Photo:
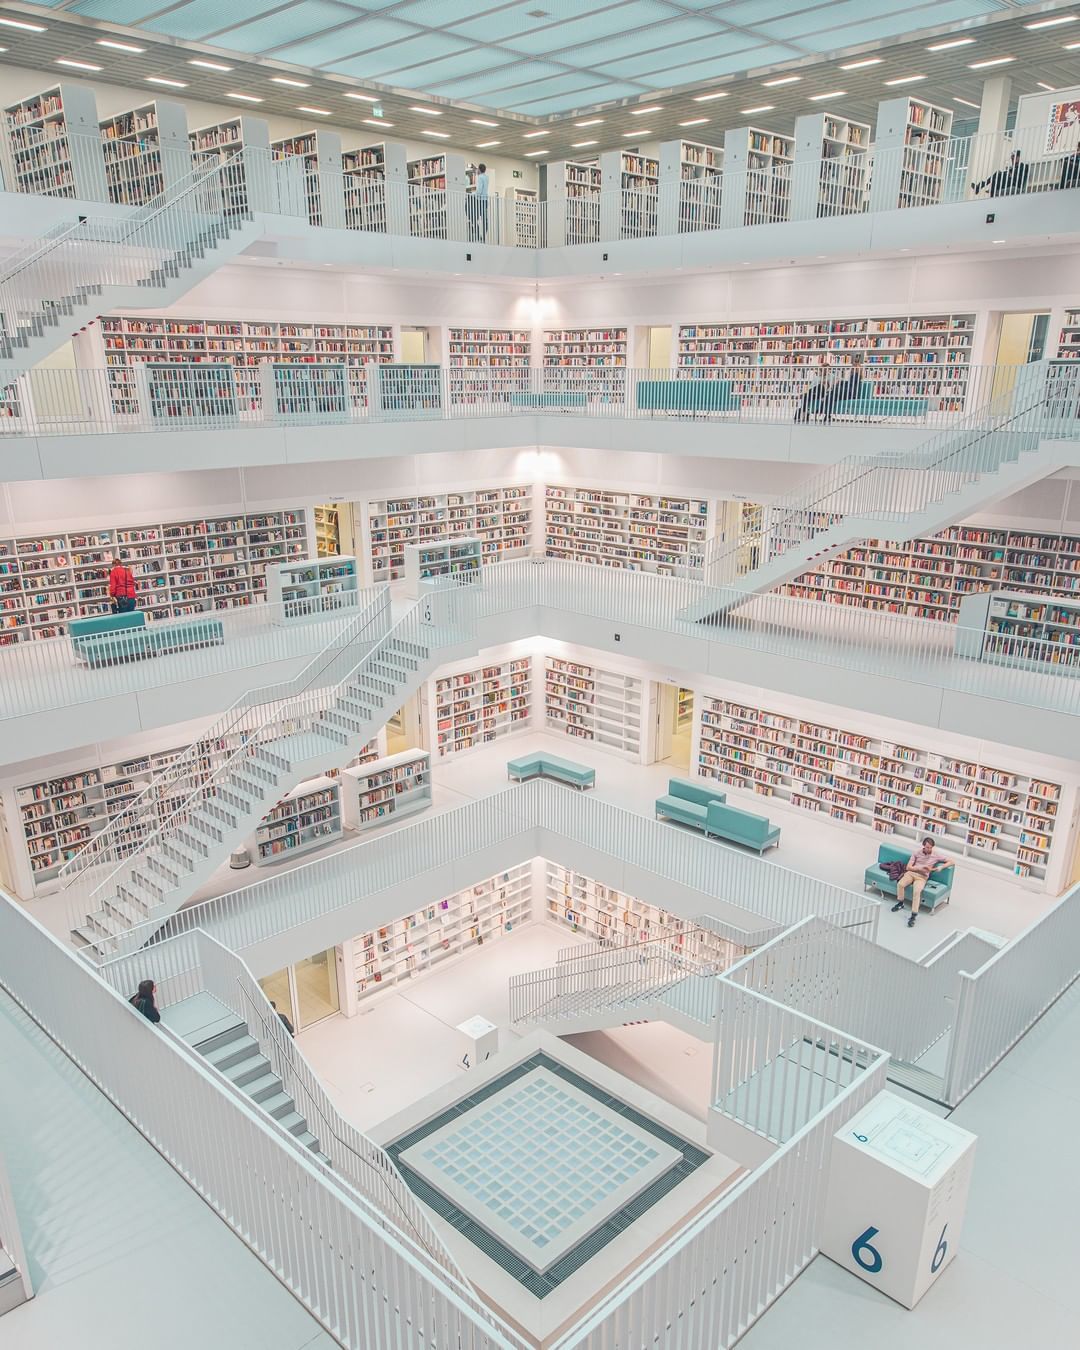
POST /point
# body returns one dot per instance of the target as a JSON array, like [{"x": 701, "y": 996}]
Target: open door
[{"x": 674, "y": 725}]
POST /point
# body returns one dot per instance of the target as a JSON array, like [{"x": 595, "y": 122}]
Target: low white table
[{"x": 483, "y": 1037}]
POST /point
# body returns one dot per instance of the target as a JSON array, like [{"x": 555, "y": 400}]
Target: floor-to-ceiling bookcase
[
  {"x": 594, "y": 704},
  {"x": 481, "y": 704},
  {"x": 487, "y": 365},
  {"x": 638, "y": 531},
  {"x": 994, "y": 814},
  {"x": 500, "y": 517},
  {"x": 589, "y": 361}
]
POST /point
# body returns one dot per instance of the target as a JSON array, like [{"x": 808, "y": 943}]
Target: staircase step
[
  {"x": 280, "y": 1104},
  {"x": 308, "y": 1140},
  {"x": 234, "y": 1053},
  {"x": 221, "y": 1038},
  {"x": 294, "y": 1122},
  {"x": 263, "y": 1086}
]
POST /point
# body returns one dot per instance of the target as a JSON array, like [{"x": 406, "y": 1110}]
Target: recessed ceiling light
[
  {"x": 26, "y": 27},
  {"x": 316, "y": 112},
  {"x": 120, "y": 46},
  {"x": 442, "y": 135},
  {"x": 76, "y": 65},
  {"x": 375, "y": 122},
  {"x": 785, "y": 79},
  {"x": 866, "y": 61},
  {"x": 482, "y": 122},
  {"x": 532, "y": 135},
  {"x": 760, "y": 107},
  {"x": 1051, "y": 23},
  {"x": 994, "y": 61},
  {"x": 589, "y": 122},
  {"x": 950, "y": 44},
  {"x": 1050, "y": 89},
  {"x": 531, "y": 154},
  {"x": 245, "y": 98},
  {"x": 210, "y": 65},
  {"x": 486, "y": 145},
  {"x": 640, "y": 112},
  {"x": 1071, "y": 46},
  {"x": 694, "y": 122},
  {"x": 361, "y": 98},
  {"x": 428, "y": 112},
  {"x": 905, "y": 79},
  {"x": 577, "y": 145},
  {"x": 708, "y": 98},
  {"x": 282, "y": 79},
  {"x": 169, "y": 84},
  {"x": 997, "y": 241},
  {"x": 642, "y": 131},
  {"x": 966, "y": 102},
  {"x": 833, "y": 93}
]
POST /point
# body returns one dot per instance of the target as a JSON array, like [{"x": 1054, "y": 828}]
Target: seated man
[{"x": 921, "y": 866}]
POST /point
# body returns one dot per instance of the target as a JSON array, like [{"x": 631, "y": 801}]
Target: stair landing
[{"x": 198, "y": 1018}]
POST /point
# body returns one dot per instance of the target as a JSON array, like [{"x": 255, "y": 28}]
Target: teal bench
[
  {"x": 692, "y": 396},
  {"x": 688, "y": 803},
  {"x": 541, "y": 764},
  {"x": 937, "y": 890},
  {"x": 109, "y": 639},
  {"x": 538, "y": 400},
  {"x": 742, "y": 827},
  {"x": 868, "y": 404}
]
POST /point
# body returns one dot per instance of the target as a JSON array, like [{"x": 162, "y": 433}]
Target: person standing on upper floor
[
  {"x": 482, "y": 188},
  {"x": 144, "y": 1002},
  {"x": 121, "y": 585}
]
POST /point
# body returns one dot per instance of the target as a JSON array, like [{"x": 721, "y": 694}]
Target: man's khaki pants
[{"x": 917, "y": 882}]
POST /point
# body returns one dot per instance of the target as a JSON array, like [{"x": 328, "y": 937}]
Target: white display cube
[
  {"x": 898, "y": 1189},
  {"x": 483, "y": 1039}
]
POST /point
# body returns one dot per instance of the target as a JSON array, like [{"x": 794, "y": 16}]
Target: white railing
[
  {"x": 208, "y": 395},
  {"x": 1004, "y": 997},
  {"x": 11, "y": 1242}
]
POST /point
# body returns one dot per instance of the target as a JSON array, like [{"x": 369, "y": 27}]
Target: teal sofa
[
  {"x": 543, "y": 765},
  {"x": 937, "y": 890},
  {"x": 688, "y": 803},
  {"x": 692, "y": 396},
  {"x": 109, "y": 639},
  {"x": 547, "y": 400},
  {"x": 868, "y": 404},
  {"x": 742, "y": 827}
]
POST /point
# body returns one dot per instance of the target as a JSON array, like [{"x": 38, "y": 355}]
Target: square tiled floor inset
[
  {"x": 540, "y": 1169},
  {"x": 541, "y": 1165}
]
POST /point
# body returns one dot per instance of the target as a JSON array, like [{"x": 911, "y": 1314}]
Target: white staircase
[
  {"x": 96, "y": 264},
  {"x": 153, "y": 856},
  {"x": 1015, "y": 440}
]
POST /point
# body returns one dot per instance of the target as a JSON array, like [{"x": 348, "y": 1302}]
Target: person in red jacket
[{"x": 121, "y": 586}]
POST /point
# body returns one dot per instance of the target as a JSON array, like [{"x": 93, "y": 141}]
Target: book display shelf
[
  {"x": 487, "y": 365},
  {"x": 327, "y": 531},
  {"x": 242, "y": 344},
  {"x": 318, "y": 154},
  {"x": 523, "y": 216},
  {"x": 830, "y": 176},
  {"x": 229, "y": 140},
  {"x": 53, "y": 141},
  {"x": 147, "y": 152},
  {"x": 573, "y": 202},
  {"x": 757, "y": 176},
  {"x": 305, "y": 392},
  {"x": 367, "y": 171},
  {"x": 386, "y": 789},
  {"x": 457, "y": 557},
  {"x": 190, "y": 392},
  {"x": 909, "y": 154},
  {"x": 586, "y": 360},
  {"x": 312, "y": 586},
  {"x": 430, "y": 179},
  {"x": 483, "y": 704},
  {"x": 929, "y": 577},
  {"x": 1069, "y": 337},
  {"x": 632, "y": 530},
  {"x": 416, "y": 943},
  {"x": 631, "y": 183},
  {"x": 1004, "y": 625},
  {"x": 181, "y": 567},
  {"x": 996, "y": 815},
  {"x": 500, "y": 517},
  {"x": 904, "y": 356},
  {"x": 691, "y": 186},
  {"x": 306, "y": 818},
  {"x": 603, "y": 706}
]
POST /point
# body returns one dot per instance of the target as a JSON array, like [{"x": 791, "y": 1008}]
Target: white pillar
[{"x": 989, "y": 152}]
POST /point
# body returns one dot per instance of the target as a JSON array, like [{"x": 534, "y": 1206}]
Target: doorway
[
  {"x": 674, "y": 725},
  {"x": 1021, "y": 340},
  {"x": 660, "y": 348},
  {"x": 414, "y": 346},
  {"x": 306, "y": 992},
  {"x": 404, "y": 727}
]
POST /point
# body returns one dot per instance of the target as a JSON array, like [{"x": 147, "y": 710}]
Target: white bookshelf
[
  {"x": 130, "y": 341},
  {"x": 573, "y": 200},
  {"x": 327, "y": 530},
  {"x": 903, "y": 356},
  {"x": 416, "y": 943},
  {"x": 633, "y": 530},
  {"x": 929, "y": 577},
  {"x": 54, "y": 144},
  {"x": 481, "y": 704},
  {"x": 307, "y": 818},
  {"x": 757, "y": 176},
  {"x": 1069, "y": 337},
  {"x": 437, "y": 185},
  {"x": 500, "y": 517},
  {"x": 305, "y": 392},
  {"x": 830, "y": 174},
  {"x": 370, "y": 174},
  {"x": 458, "y": 557},
  {"x": 245, "y": 143},
  {"x": 691, "y": 187},
  {"x": 909, "y": 154},
  {"x": 630, "y": 183},
  {"x": 147, "y": 151},
  {"x": 593, "y": 704},
  {"x": 523, "y": 218},
  {"x": 386, "y": 789},
  {"x": 189, "y": 392},
  {"x": 181, "y": 567},
  {"x": 973, "y": 809},
  {"x": 588, "y": 361},
  {"x": 312, "y": 586},
  {"x": 1001, "y": 626},
  {"x": 319, "y": 155},
  {"x": 487, "y": 365}
]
